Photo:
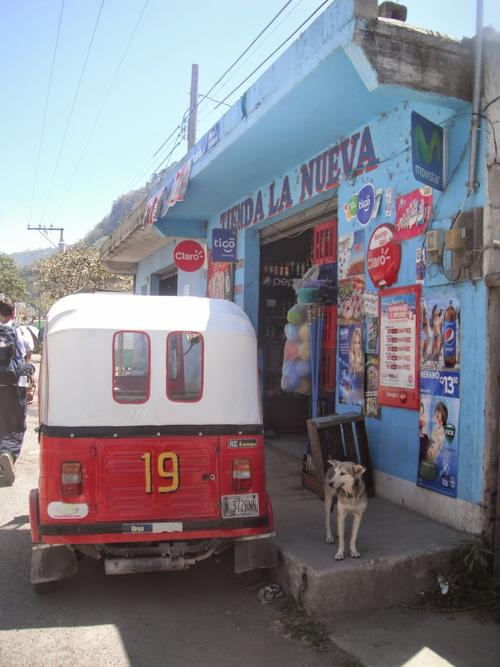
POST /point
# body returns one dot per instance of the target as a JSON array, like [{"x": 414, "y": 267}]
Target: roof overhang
[
  {"x": 131, "y": 242},
  {"x": 349, "y": 75}
]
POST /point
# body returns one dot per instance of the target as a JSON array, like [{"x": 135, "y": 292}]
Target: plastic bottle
[{"x": 450, "y": 336}]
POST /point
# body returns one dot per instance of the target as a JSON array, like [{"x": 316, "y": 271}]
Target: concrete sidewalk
[{"x": 401, "y": 552}]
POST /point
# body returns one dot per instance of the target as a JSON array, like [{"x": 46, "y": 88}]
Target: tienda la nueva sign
[
  {"x": 189, "y": 255},
  {"x": 350, "y": 157},
  {"x": 384, "y": 256}
]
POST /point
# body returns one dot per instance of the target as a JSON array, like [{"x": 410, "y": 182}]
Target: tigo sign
[
  {"x": 189, "y": 255},
  {"x": 428, "y": 152},
  {"x": 223, "y": 245}
]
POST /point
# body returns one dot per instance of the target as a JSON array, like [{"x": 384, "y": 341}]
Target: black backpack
[{"x": 12, "y": 364}]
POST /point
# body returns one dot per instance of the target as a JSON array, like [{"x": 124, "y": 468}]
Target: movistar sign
[{"x": 429, "y": 152}]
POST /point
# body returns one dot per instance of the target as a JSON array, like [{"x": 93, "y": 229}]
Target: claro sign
[
  {"x": 189, "y": 255},
  {"x": 384, "y": 256}
]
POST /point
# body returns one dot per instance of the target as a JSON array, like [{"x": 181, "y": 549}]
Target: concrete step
[{"x": 401, "y": 551}]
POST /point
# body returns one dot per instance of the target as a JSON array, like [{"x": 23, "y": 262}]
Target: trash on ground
[
  {"x": 269, "y": 593},
  {"x": 443, "y": 584}
]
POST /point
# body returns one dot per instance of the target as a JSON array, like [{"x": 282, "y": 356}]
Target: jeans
[{"x": 12, "y": 419}]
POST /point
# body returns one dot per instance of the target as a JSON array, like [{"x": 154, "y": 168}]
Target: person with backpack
[{"x": 15, "y": 352}]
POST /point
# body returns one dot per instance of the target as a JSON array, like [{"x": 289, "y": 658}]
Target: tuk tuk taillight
[
  {"x": 242, "y": 474},
  {"x": 71, "y": 478}
]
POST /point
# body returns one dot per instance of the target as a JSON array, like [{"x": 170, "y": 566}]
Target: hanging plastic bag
[{"x": 296, "y": 371}]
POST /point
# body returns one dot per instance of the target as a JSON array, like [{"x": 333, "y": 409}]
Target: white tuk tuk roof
[{"x": 77, "y": 373}]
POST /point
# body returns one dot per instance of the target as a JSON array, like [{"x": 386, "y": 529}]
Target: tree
[
  {"x": 10, "y": 283},
  {"x": 77, "y": 269}
]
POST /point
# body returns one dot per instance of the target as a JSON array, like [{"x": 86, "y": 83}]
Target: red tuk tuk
[{"x": 151, "y": 437}]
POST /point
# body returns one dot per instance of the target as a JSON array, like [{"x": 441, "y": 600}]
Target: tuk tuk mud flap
[
  {"x": 51, "y": 563},
  {"x": 255, "y": 554}
]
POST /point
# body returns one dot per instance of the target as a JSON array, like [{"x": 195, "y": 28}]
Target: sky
[{"x": 81, "y": 128}]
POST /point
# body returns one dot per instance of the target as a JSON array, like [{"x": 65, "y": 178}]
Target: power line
[
  {"x": 245, "y": 61},
  {"x": 167, "y": 159},
  {"x": 275, "y": 51},
  {"x": 205, "y": 96},
  {"x": 251, "y": 74},
  {"x": 73, "y": 105},
  {"x": 101, "y": 109},
  {"x": 249, "y": 46},
  {"x": 44, "y": 118},
  {"x": 141, "y": 174}
]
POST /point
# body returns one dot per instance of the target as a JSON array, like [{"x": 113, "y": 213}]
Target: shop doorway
[
  {"x": 281, "y": 262},
  {"x": 168, "y": 285}
]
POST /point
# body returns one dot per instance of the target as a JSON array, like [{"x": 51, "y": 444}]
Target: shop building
[{"x": 353, "y": 152}]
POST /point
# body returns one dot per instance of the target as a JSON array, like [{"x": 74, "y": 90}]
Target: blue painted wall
[
  {"x": 394, "y": 439},
  {"x": 146, "y": 270},
  {"x": 189, "y": 284}
]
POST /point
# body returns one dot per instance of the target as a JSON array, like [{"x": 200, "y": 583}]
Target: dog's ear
[
  {"x": 333, "y": 463},
  {"x": 359, "y": 469}
]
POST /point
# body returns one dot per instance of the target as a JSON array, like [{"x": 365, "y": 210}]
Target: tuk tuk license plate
[{"x": 241, "y": 505}]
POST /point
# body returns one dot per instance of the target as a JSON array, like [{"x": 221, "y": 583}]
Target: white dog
[{"x": 344, "y": 483}]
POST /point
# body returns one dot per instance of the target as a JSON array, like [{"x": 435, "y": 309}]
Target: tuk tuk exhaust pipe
[{"x": 155, "y": 564}]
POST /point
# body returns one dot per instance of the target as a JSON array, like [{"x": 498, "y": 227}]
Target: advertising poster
[
  {"x": 420, "y": 265},
  {"x": 224, "y": 245},
  {"x": 351, "y": 254},
  {"x": 351, "y": 365},
  {"x": 371, "y": 335},
  {"x": 399, "y": 314},
  {"x": 154, "y": 206},
  {"x": 388, "y": 202},
  {"x": 439, "y": 437},
  {"x": 350, "y": 300},
  {"x": 383, "y": 256},
  {"x": 370, "y": 304},
  {"x": 429, "y": 151},
  {"x": 413, "y": 213},
  {"x": 220, "y": 279},
  {"x": 208, "y": 141},
  {"x": 440, "y": 333},
  {"x": 180, "y": 183},
  {"x": 370, "y": 308},
  {"x": 363, "y": 205},
  {"x": 372, "y": 408}
]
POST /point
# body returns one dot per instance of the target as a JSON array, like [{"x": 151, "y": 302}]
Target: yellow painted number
[
  {"x": 147, "y": 470},
  {"x": 172, "y": 474}
]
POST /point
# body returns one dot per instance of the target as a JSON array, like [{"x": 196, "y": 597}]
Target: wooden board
[{"x": 342, "y": 438}]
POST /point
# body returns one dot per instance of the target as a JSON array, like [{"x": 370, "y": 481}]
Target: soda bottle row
[
  {"x": 274, "y": 331},
  {"x": 286, "y": 269},
  {"x": 281, "y": 308}
]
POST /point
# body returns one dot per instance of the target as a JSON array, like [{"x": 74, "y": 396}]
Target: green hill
[
  {"x": 120, "y": 208},
  {"x": 27, "y": 257}
]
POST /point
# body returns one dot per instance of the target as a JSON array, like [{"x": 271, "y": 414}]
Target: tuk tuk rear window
[
  {"x": 184, "y": 366},
  {"x": 131, "y": 366}
]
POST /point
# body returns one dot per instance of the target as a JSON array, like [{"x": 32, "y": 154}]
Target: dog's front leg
[
  {"x": 329, "y": 498},
  {"x": 354, "y": 536},
  {"x": 340, "y": 527}
]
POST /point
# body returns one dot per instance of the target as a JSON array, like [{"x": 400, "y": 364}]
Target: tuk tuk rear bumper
[{"x": 146, "y": 531}]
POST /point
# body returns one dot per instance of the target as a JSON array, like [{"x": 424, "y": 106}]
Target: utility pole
[
  {"x": 193, "y": 107},
  {"x": 61, "y": 246}
]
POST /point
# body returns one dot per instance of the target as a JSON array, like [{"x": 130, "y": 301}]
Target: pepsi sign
[{"x": 223, "y": 245}]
